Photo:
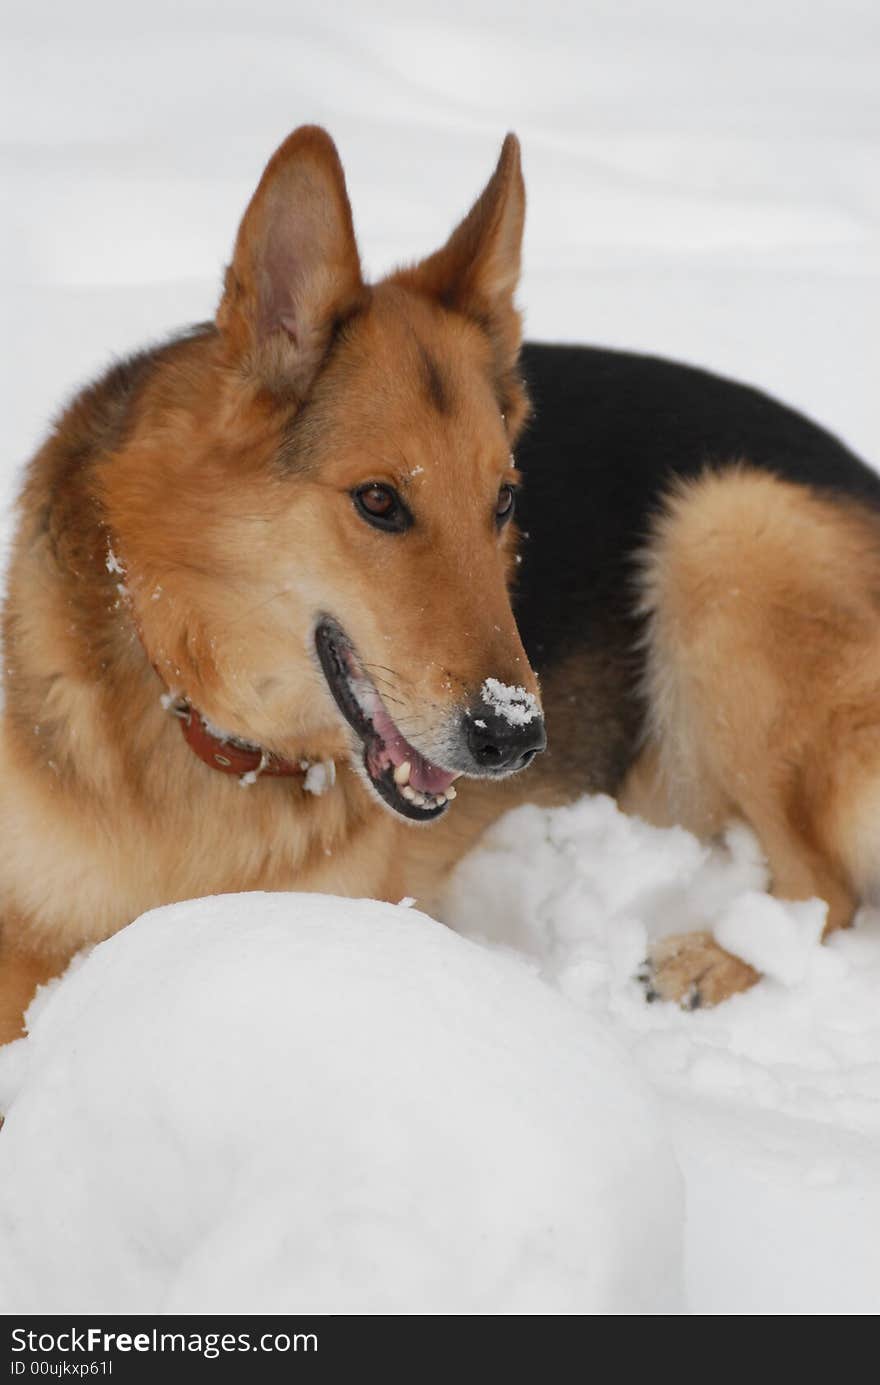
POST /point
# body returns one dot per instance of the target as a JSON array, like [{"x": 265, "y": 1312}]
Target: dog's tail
[{"x": 762, "y": 684}]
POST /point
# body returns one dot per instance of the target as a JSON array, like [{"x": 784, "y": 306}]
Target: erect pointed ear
[
  {"x": 295, "y": 272},
  {"x": 477, "y": 270}
]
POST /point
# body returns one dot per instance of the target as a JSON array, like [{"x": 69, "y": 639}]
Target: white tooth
[
  {"x": 419, "y": 800},
  {"x": 451, "y": 793},
  {"x": 439, "y": 799},
  {"x": 401, "y": 774},
  {"x": 408, "y": 793}
]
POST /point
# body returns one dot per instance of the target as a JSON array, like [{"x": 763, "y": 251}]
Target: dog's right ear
[
  {"x": 476, "y": 272},
  {"x": 295, "y": 272}
]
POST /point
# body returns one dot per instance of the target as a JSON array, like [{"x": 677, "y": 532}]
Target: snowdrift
[
  {"x": 773, "y": 1098},
  {"x": 276, "y": 1103}
]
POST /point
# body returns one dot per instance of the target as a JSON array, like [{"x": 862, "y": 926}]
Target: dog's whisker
[
  {"x": 243, "y": 615},
  {"x": 383, "y": 667}
]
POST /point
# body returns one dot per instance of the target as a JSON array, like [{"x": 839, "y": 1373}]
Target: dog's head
[{"x": 315, "y": 511}]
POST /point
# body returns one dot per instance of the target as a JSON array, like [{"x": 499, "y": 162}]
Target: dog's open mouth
[{"x": 404, "y": 778}]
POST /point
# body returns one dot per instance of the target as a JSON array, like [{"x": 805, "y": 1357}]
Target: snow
[
  {"x": 778, "y": 938},
  {"x": 773, "y": 1098},
  {"x": 268, "y": 1101},
  {"x": 702, "y": 184},
  {"x": 345, "y": 1105},
  {"x": 514, "y": 704},
  {"x": 320, "y": 777}
]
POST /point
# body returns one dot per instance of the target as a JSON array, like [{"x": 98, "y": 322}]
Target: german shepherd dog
[{"x": 258, "y": 628}]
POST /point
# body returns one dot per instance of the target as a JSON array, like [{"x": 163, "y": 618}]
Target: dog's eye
[
  {"x": 505, "y": 506},
  {"x": 382, "y": 507}
]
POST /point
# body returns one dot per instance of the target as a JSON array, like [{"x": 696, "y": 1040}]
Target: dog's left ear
[
  {"x": 477, "y": 270},
  {"x": 295, "y": 272}
]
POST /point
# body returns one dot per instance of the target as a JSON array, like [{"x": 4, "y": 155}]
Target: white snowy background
[{"x": 703, "y": 181}]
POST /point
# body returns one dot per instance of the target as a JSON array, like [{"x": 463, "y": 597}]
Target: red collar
[{"x": 228, "y": 754}]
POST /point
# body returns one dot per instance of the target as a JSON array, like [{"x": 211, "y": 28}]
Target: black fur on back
[{"x": 608, "y": 433}]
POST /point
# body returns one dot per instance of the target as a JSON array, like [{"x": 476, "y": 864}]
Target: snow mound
[
  {"x": 773, "y": 1098},
  {"x": 275, "y": 1103}
]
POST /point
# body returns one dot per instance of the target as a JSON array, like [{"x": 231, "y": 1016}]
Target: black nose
[{"x": 501, "y": 742}]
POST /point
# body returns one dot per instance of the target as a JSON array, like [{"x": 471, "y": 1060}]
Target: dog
[{"x": 271, "y": 622}]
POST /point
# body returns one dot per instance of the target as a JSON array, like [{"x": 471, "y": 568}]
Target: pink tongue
[{"x": 423, "y": 776}]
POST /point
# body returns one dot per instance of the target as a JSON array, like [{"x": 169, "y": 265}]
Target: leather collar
[{"x": 228, "y": 754}]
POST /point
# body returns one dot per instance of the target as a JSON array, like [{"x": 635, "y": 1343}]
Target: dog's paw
[{"x": 692, "y": 970}]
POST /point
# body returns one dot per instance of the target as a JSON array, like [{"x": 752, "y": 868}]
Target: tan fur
[
  {"x": 763, "y": 683},
  {"x": 692, "y": 970},
  {"x": 22, "y": 973}
]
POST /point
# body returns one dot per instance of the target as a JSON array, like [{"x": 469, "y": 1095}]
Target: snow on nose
[{"x": 513, "y": 704}]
